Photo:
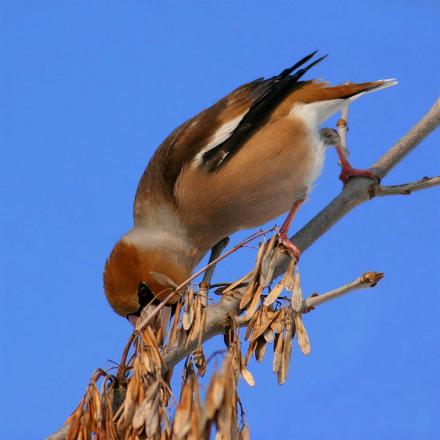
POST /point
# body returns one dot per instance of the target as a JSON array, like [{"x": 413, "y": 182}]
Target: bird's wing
[{"x": 211, "y": 138}]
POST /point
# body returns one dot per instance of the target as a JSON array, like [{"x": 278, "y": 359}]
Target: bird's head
[{"x": 135, "y": 276}]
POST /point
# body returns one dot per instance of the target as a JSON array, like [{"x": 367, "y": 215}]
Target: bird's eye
[{"x": 145, "y": 295}]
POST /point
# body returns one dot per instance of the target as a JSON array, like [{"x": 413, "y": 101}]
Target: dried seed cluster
[{"x": 138, "y": 404}]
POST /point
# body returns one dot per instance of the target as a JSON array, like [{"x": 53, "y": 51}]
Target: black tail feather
[{"x": 289, "y": 70}]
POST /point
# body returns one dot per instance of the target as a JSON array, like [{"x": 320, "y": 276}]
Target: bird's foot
[
  {"x": 290, "y": 247},
  {"x": 348, "y": 172}
]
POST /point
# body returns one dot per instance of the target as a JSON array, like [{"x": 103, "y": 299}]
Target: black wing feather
[{"x": 271, "y": 93}]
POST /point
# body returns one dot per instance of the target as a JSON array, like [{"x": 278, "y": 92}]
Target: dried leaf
[{"x": 301, "y": 334}]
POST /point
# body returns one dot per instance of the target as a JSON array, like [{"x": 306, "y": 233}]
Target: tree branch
[
  {"x": 407, "y": 188},
  {"x": 368, "y": 279},
  {"x": 355, "y": 192}
]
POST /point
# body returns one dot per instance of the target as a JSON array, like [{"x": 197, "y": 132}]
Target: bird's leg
[
  {"x": 331, "y": 137},
  {"x": 215, "y": 253},
  {"x": 348, "y": 171},
  {"x": 290, "y": 247}
]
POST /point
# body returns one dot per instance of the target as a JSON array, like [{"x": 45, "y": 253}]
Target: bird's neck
[{"x": 173, "y": 246}]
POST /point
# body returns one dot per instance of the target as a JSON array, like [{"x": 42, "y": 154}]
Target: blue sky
[{"x": 90, "y": 88}]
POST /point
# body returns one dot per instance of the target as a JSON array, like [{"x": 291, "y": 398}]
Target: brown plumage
[{"x": 235, "y": 165}]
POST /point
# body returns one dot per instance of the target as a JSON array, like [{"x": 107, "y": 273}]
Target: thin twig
[
  {"x": 142, "y": 323},
  {"x": 120, "y": 375},
  {"x": 394, "y": 155},
  {"x": 355, "y": 192},
  {"x": 407, "y": 188},
  {"x": 368, "y": 279},
  {"x": 342, "y": 125}
]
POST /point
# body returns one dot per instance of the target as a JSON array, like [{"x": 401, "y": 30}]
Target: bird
[{"x": 238, "y": 164}]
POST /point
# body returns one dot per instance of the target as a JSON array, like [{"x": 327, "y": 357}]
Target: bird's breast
[{"x": 271, "y": 170}]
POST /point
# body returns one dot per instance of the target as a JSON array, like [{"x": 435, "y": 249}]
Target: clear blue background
[{"x": 90, "y": 88}]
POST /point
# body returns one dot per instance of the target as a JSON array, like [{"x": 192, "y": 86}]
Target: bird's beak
[{"x": 133, "y": 319}]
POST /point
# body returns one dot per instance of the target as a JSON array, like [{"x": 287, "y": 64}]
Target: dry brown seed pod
[
  {"x": 274, "y": 294},
  {"x": 246, "y": 374},
  {"x": 301, "y": 334},
  {"x": 244, "y": 433},
  {"x": 188, "y": 314},
  {"x": 289, "y": 279},
  {"x": 232, "y": 286},
  {"x": 268, "y": 263},
  {"x": 287, "y": 349},
  {"x": 253, "y": 306},
  {"x": 174, "y": 331},
  {"x": 259, "y": 261},
  {"x": 296, "y": 299},
  {"x": 182, "y": 418},
  {"x": 260, "y": 349},
  {"x": 253, "y": 321},
  {"x": 278, "y": 352},
  {"x": 200, "y": 361},
  {"x": 250, "y": 351},
  {"x": 214, "y": 395},
  {"x": 269, "y": 335},
  {"x": 277, "y": 324},
  {"x": 248, "y": 295},
  {"x": 262, "y": 324},
  {"x": 196, "y": 327}
]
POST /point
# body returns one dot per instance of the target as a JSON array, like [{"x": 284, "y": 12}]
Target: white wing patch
[
  {"x": 315, "y": 113},
  {"x": 219, "y": 136}
]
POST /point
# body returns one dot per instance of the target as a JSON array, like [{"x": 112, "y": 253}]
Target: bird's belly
[{"x": 273, "y": 169}]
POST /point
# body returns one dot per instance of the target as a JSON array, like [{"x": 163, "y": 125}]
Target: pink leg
[
  {"x": 290, "y": 247},
  {"x": 348, "y": 171}
]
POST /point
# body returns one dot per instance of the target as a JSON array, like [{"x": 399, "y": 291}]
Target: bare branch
[
  {"x": 425, "y": 126},
  {"x": 368, "y": 279},
  {"x": 355, "y": 192},
  {"x": 407, "y": 188}
]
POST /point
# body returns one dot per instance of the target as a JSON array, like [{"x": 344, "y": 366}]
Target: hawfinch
[{"x": 236, "y": 165}]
